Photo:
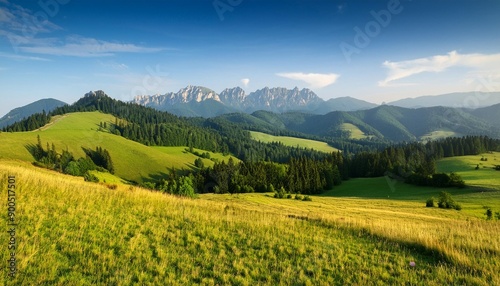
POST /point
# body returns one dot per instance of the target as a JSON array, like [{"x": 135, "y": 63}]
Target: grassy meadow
[
  {"x": 76, "y": 233},
  {"x": 354, "y": 130},
  {"x": 484, "y": 177},
  {"x": 76, "y": 130},
  {"x": 293, "y": 142}
]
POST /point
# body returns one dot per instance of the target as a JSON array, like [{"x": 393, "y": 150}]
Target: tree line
[
  {"x": 414, "y": 163},
  {"x": 29, "y": 123}
]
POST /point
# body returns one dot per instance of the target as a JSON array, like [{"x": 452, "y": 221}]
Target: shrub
[
  {"x": 199, "y": 163},
  {"x": 298, "y": 197},
  {"x": 456, "y": 181},
  {"x": 90, "y": 177},
  {"x": 289, "y": 196},
  {"x": 307, "y": 199},
  {"x": 247, "y": 189},
  {"x": 441, "y": 180},
  {"x": 447, "y": 202},
  {"x": 280, "y": 194},
  {"x": 489, "y": 214},
  {"x": 270, "y": 188},
  {"x": 112, "y": 187},
  {"x": 72, "y": 169},
  {"x": 430, "y": 203}
]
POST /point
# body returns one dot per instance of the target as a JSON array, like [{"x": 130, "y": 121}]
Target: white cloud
[
  {"x": 436, "y": 64},
  {"x": 315, "y": 80},
  {"x": 86, "y": 47},
  {"x": 245, "y": 81},
  {"x": 22, "y": 58}
]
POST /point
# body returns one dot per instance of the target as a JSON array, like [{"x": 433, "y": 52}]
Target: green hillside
[
  {"x": 293, "y": 142},
  {"x": 354, "y": 131},
  {"x": 465, "y": 166},
  {"x": 132, "y": 160}
]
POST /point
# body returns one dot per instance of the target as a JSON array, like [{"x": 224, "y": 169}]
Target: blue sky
[{"x": 372, "y": 50}]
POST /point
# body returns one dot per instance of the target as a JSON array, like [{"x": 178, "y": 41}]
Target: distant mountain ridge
[
  {"x": 202, "y": 101},
  {"x": 17, "y": 114},
  {"x": 469, "y": 100}
]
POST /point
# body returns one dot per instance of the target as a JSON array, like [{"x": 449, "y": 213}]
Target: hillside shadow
[
  {"x": 153, "y": 178},
  {"x": 32, "y": 149},
  {"x": 156, "y": 177}
]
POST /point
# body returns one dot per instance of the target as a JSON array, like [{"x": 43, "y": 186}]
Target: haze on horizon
[{"x": 371, "y": 50}]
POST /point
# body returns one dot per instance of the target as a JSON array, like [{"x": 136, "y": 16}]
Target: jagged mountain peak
[{"x": 276, "y": 99}]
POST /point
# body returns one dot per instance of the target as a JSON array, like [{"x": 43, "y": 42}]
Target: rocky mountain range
[{"x": 202, "y": 101}]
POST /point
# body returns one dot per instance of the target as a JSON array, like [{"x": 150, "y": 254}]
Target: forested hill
[{"x": 386, "y": 123}]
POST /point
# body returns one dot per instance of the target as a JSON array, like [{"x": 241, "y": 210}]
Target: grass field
[
  {"x": 356, "y": 133},
  {"x": 485, "y": 176},
  {"x": 438, "y": 134},
  {"x": 76, "y": 233},
  {"x": 76, "y": 130},
  {"x": 293, "y": 142}
]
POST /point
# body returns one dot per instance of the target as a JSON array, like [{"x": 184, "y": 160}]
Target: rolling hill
[
  {"x": 489, "y": 114},
  {"x": 76, "y": 130}
]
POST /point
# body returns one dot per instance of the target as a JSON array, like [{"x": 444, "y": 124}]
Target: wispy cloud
[
  {"x": 28, "y": 34},
  {"x": 86, "y": 47},
  {"x": 245, "y": 81},
  {"x": 17, "y": 19},
  {"x": 436, "y": 64},
  {"x": 22, "y": 58},
  {"x": 315, "y": 80}
]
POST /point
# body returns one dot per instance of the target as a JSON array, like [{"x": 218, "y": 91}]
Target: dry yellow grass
[{"x": 76, "y": 233}]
